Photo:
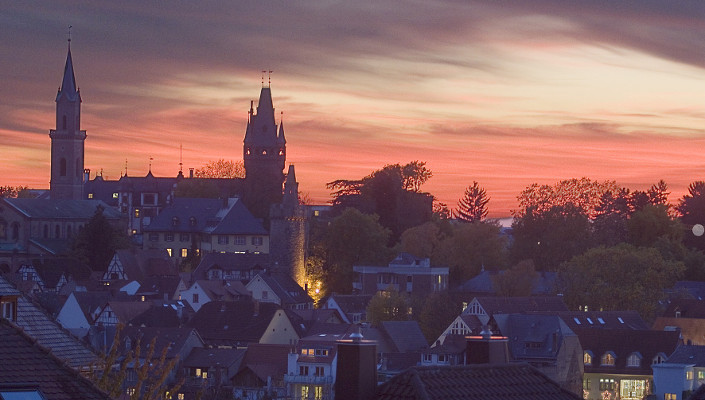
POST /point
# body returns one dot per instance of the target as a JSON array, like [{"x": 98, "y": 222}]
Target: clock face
[{"x": 698, "y": 230}]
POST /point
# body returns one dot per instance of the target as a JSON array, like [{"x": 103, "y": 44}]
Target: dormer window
[
  {"x": 192, "y": 221},
  {"x": 634, "y": 360},
  {"x": 587, "y": 357},
  {"x": 660, "y": 357},
  {"x": 175, "y": 221},
  {"x": 8, "y": 307},
  {"x": 608, "y": 359}
]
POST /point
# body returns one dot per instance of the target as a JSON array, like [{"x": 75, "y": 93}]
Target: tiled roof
[
  {"x": 516, "y": 305},
  {"x": 352, "y": 303},
  {"x": 174, "y": 339},
  {"x": 688, "y": 354},
  {"x": 52, "y": 269},
  {"x": 285, "y": 288},
  {"x": 209, "y": 215},
  {"x": 692, "y": 329},
  {"x": 162, "y": 316},
  {"x": 623, "y": 343},
  {"x": 230, "y": 262},
  {"x": 139, "y": 264},
  {"x": 211, "y": 357},
  {"x": 127, "y": 310},
  {"x": 688, "y": 308},
  {"x": 267, "y": 360},
  {"x": 483, "y": 283},
  {"x": 232, "y": 323},
  {"x": 405, "y": 335},
  {"x": 39, "y": 326},
  {"x": 481, "y": 382},
  {"x": 61, "y": 208},
  {"x": 532, "y": 337},
  {"x": 26, "y": 362},
  {"x": 602, "y": 319}
]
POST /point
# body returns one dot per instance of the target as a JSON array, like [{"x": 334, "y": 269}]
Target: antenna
[
  {"x": 263, "y": 72},
  {"x": 269, "y": 79},
  {"x": 150, "y": 163},
  {"x": 181, "y": 158},
  {"x": 126, "y": 167}
]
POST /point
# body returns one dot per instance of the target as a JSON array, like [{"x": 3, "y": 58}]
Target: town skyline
[{"x": 500, "y": 93}]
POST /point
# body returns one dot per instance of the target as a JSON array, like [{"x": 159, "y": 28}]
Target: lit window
[
  {"x": 670, "y": 396},
  {"x": 169, "y": 251},
  {"x": 586, "y": 384},
  {"x": 606, "y": 384},
  {"x": 184, "y": 252},
  {"x": 689, "y": 375},
  {"x": 90, "y": 195},
  {"x": 137, "y": 212},
  {"x": 607, "y": 358},
  {"x": 115, "y": 195},
  {"x": 701, "y": 374},
  {"x": 180, "y": 396}
]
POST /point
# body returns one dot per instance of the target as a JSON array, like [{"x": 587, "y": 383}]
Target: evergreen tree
[
  {"x": 473, "y": 206},
  {"x": 96, "y": 243}
]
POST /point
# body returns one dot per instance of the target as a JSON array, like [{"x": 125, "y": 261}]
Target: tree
[
  {"x": 423, "y": 241},
  {"x": 516, "y": 281},
  {"x": 353, "y": 238},
  {"x": 651, "y": 223},
  {"x": 391, "y": 192},
  {"x": 623, "y": 277},
  {"x": 388, "y": 305},
  {"x": 470, "y": 247},
  {"x": 14, "y": 191},
  {"x": 473, "y": 205},
  {"x": 582, "y": 193},
  {"x": 551, "y": 237},
  {"x": 221, "y": 169},
  {"x": 96, "y": 243},
  {"x": 197, "y": 188},
  {"x": 437, "y": 312},
  {"x": 151, "y": 372},
  {"x": 691, "y": 209}
]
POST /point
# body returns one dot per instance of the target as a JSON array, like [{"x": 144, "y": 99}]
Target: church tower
[
  {"x": 67, "y": 139},
  {"x": 264, "y": 155}
]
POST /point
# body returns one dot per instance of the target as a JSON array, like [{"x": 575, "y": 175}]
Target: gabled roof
[
  {"x": 405, "y": 335},
  {"x": 90, "y": 302},
  {"x": 48, "y": 333},
  {"x": 689, "y": 355},
  {"x": 532, "y": 336},
  {"x": 216, "y": 216},
  {"x": 50, "y": 270},
  {"x": 157, "y": 317},
  {"x": 623, "y": 343},
  {"x": 26, "y": 362},
  {"x": 288, "y": 291},
  {"x": 125, "y": 311},
  {"x": 223, "y": 290},
  {"x": 688, "y": 308},
  {"x": 60, "y": 208},
  {"x": 517, "y": 305},
  {"x": 352, "y": 303},
  {"x": 695, "y": 289},
  {"x": 233, "y": 323},
  {"x": 174, "y": 339},
  {"x": 602, "y": 319},
  {"x": 210, "y": 357},
  {"x": 142, "y": 263},
  {"x": 230, "y": 262},
  {"x": 267, "y": 360},
  {"x": 486, "y": 382},
  {"x": 692, "y": 329},
  {"x": 483, "y": 283}
]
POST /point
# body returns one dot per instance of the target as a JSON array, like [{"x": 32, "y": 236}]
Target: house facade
[{"x": 405, "y": 273}]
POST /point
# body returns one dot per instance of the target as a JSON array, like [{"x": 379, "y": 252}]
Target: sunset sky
[{"x": 506, "y": 93}]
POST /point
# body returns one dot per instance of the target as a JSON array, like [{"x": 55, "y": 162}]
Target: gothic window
[
  {"x": 57, "y": 232},
  {"x": 62, "y": 167},
  {"x": 79, "y": 168},
  {"x": 46, "y": 231},
  {"x": 63, "y": 124},
  {"x": 634, "y": 360},
  {"x": 69, "y": 232},
  {"x": 3, "y": 229}
]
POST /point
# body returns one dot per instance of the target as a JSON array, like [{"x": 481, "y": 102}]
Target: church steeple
[{"x": 67, "y": 140}]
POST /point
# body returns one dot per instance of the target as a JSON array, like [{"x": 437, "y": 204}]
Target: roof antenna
[
  {"x": 150, "y": 163},
  {"x": 181, "y": 158}
]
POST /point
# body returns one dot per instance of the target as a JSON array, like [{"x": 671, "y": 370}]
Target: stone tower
[
  {"x": 67, "y": 139},
  {"x": 288, "y": 232},
  {"x": 264, "y": 155}
]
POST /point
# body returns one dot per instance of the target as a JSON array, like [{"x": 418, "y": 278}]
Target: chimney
[
  {"x": 86, "y": 175},
  {"x": 486, "y": 349},
  {"x": 356, "y": 372},
  {"x": 190, "y": 172}
]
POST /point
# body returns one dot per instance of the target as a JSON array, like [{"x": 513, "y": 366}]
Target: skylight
[
  {"x": 577, "y": 321},
  {"x": 621, "y": 321}
]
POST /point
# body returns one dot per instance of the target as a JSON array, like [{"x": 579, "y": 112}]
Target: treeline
[{"x": 611, "y": 247}]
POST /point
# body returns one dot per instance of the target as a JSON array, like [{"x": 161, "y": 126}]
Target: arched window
[
  {"x": 192, "y": 221},
  {"x": 607, "y": 358},
  {"x": 15, "y": 231},
  {"x": 3, "y": 229},
  {"x": 57, "y": 232},
  {"x": 63, "y": 124},
  {"x": 175, "y": 221},
  {"x": 587, "y": 357},
  {"x": 62, "y": 167},
  {"x": 46, "y": 231},
  {"x": 634, "y": 360},
  {"x": 658, "y": 359},
  {"x": 69, "y": 232}
]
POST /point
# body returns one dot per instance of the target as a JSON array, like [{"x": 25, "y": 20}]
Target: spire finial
[
  {"x": 269, "y": 79},
  {"x": 263, "y": 72},
  {"x": 126, "y": 167},
  {"x": 70, "y": 26},
  {"x": 150, "y": 163}
]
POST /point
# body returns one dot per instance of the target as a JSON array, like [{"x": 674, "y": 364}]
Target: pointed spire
[
  {"x": 280, "y": 136},
  {"x": 68, "y": 83}
]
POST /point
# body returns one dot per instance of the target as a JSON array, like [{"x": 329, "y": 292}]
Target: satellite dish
[{"x": 698, "y": 230}]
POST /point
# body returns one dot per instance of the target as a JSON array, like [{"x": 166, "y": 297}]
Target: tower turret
[
  {"x": 67, "y": 140},
  {"x": 264, "y": 155}
]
